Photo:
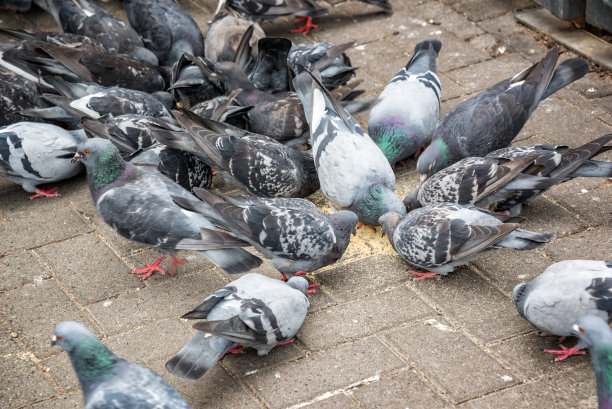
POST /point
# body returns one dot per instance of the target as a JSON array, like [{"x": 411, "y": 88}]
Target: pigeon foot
[
  {"x": 421, "y": 149},
  {"x": 423, "y": 276},
  {"x": 236, "y": 350},
  {"x": 311, "y": 288},
  {"x": 173, "y": 262},
  {"x": 150, "y": 268},
  {"x": 280, "y": 344},
  {"x": 548, "y": 334},
  {"x": 305, "y": 29},
  {"x": 285, "y": 278},
  {"x": 564, "y": 352},
  {"x": 360, "y": 225},
  {"x": 44, "y": 193}
]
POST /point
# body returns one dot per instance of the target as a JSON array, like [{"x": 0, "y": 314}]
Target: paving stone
[
  {"x": 475, "y": 304},
  {"x": 589, "y": 245},
  {"x": 360, "y": 318},
  {"x": 249, "y": 362},
  {"x": 525, "y": 356},
  {"x": 566, "y": 390},
  {"x": 339, "y": 401},
  {"x": 543, "y": 216},
  {"x": 74, "y": 262},
  {"x": 452, "y": 21},
  {"x": 60, "y": 368},
  {"x": 474, "y": 11},
  {"x": 450, "y": 89},
  {"x": 364, "y": 277},
  {"x": 453, "y": 358},
  {"x": 165, "y": 300},
  {"x": 338, "y": 368},
  {"x": 485, "y": 42},
  {"x": 384, "y": 55},
  {"x": 481, "y": 76},
  {"x": 19, "y": 269},
  {"x": 74, "y": 400},
  {"x": 594, "y": 206},
  {"x": 603, "y": 109},
  {"x": 593, "y": 85},
  {"x": 404, "y": 389},
  {"x": 34, "y": 310},
  {"x": 21, "y": 381}
]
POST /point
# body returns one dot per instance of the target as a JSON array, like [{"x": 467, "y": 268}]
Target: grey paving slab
[
  {"x": 339, "y": 401},
  {"x": 544, "y": 216},
  {"x": 74, "y": 400},
  {"x": 595, "y": 244},
  {"x": 481, "y": 76},
  {"x": 34, "y": 310},
  {"x": 485, "y": 42},
  {"x": 248, "y": 363},
  {"x": 19, "y": 269},
  {"x": 593, "y": 85},
  {"x": 337, "y": 368},
  {"x": 21, "y": 381},
  {"x": 380, "y": 51},
  {"x": 60, "y": 369},
  {"x": 360, "y": 318},
  {"x": 474, "y": 11},
  {"x": 593, "y": 205},
  {"x": 442, "y": 14},
  {"x": 446, "y": 357}
]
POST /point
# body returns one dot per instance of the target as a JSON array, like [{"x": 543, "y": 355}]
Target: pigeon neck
[
  {"x": 92, "y": 362},
  {"x": 108, "y": 169},
  {"x": 602, "y": 365}
]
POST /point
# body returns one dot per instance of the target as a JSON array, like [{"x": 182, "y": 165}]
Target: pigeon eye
[
  {"x": 60, "y": 338},
  {"x": 581, "y": 330},
  {"x": 86, "y": 151}
]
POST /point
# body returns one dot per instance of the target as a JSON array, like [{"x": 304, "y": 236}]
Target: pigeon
[
  {"x": 307, "y": 56},
  {"x": 88, "y": 19},
  {"x": 16, "y": 5},
  {"x": 223, "y": 108},
  {"x": 270, "y": 73},
  {"x": 166, "y": 28},
  {"x": 254, "y": 311},
  {"x": 257, "y": 164},
  {"x": 595, "y": 333},
  {"x": 76, "y": 41},
  {"x": 566, "y": 291},
  {"x": 136, "y": 202},
  {"x": 504, "y": 179},
  {"x": 33, "y": 153},
  {"x": 353, "y": 172},
  {"x": 189, "y": 86},
  {"x": 442, "y": 236},
  {"x": 108, "y": 381},
  {"x": 292, "y": 233},
  {"x": 18, "y": 93},
  {"x": 226, "y": 34},
  {"x": 404, "y": 117},
  {"x": 491, "y": 119}
]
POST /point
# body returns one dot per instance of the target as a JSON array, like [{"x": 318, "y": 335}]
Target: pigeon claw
[
  {"x": 564, "y": 352},
  {"x": 150, "y": 268},
  {"x": 45, "y": 193},
  {"x": 285, "y": 278},
  {"x": 236, "y": 350},
  {"x": 280, "y": 344},
  {"x": 173, "y": 263},
  {"x": 423, "y": 276},
  {"x": 305, "y": 29},
  {"x": 360, "y": 225},
  {"x": 311, "y": 288}
]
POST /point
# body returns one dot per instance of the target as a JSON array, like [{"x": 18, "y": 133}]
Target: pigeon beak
[
  {"x": 577, "y": 330},
  {"x": 76, "y": 157},
  {"x": 423, "y": 178},
  {"x": 53, "y": 340}
]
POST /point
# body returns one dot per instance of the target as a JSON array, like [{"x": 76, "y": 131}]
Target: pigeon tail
[
  {"x": 567, "y": 72},
  {"x": 521, "y": 239},
  {"x": 198, "y": 356},
  {"x": 593, "y": 169},
  {"x": 234, "y": 260},
  {"x": 424, "y": 57}
]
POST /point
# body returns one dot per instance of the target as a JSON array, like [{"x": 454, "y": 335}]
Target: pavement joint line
[
  {"x": 572, "y": 212},
  {"x": 246, "y": 387}
]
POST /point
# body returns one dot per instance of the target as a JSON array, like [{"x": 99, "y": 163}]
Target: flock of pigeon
[{"x": 154, "y": 112}]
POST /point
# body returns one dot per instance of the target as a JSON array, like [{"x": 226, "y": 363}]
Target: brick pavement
[{"x": 373, "y": 338}]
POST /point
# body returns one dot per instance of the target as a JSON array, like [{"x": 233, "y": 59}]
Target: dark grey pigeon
[
  {"x": 166, "y": 28},
  {"x": 504, "y": 179},
  {"x": 443, "y": 236},
  {"x": 16, "y": 5},
  {"x": 225, "y": 109},
  {"x": 189, "y": 86},
  {"x": 71, "y": 40},
  {"x": 225, "y": 35},
  {"x": 491, "y": 119},
  {"x": 254, "y": 311},
  {"x": 136, "y": 202},
  {"x": 108, "y": 381},
  {"x": 353, "y": 172},
  {"x": 405, "y": 115},
  {"x": 88, "y": 19},
  {"x": 566, "y": 291},
  {"x": 290, "y": 232},
  {"x": 270, "y": 73},
  {"x": 33, "y": 153},
  {"x": 257, "y": 164},
  {"x": 308, "y": 56},
  {"x": 18, "y": 93}
]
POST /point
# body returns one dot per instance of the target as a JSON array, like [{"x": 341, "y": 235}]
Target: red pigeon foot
[
  {"x": 423, "y": 276},
  {"x": 565, "y": 352},
  {"x": 150, "y": 268},
  {"x": 305, "y": 29},
  {"x": 173, "y": 262},
  {"x": 44, "y": 193},
  {"x": 280, "y": 344},
  {"x": 311, "y": 288},
  {"x": 236, "y": 350},
  {"x": 285, "y": 278}
]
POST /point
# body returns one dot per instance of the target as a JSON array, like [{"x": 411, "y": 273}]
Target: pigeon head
[
  {"x": 299, "y": 283},
  {"x": 388, "y": 222},
  {"x": 377, "y": 201},
  {"x": 519, "y": 294},
  {"x": 433, "y": 159},
  {"x": 593, "y": 331},
  {"x": 70, "y": 334},
  {"x": 344, "y": 223},
  {"x": 411, "y": 200},
  {"x": 102, "y": 160}
]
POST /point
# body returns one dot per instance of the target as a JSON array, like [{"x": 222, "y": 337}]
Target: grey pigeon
[
  {"x": 566, "y": 291},
  {"x": 404, "y": 118},
  {"x": 254, "y": 311},
  {"x": 308, "y": 56},
  {"x": 16, "y": 5},
  {"x": 504, "y": 179},
  {"x": 225, "y": 35},
  {"x": 136, "y": 202},
  {"x": 353, "y": 172},
  {"x": 166, "y": 28},
  {"x": 256, "y": 163},
  {"x": 292, "y": 233},
  {"x": 88, "y": 19},
  {"x": 595, "y": 333},
  {"x": 33, "y": 153},
  {"x": 108, "y": 381},
  {"x": 71, "y": 40},
  {"x": 189, "y": 86},
  {"x": 18, "y": 93},
  {"x": 270, "y": 73},
  {"x": 442, "y": 236},
  {"x": 491, "y": 119}
]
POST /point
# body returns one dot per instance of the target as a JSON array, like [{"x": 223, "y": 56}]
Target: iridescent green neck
[
  {"x": 93, "y": 362},
  {"x": 602, "y": 365},
  {"x": 107, "y": 169}
]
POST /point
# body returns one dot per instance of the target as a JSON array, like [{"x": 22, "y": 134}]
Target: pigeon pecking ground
[{"x": 372, "y": 337}]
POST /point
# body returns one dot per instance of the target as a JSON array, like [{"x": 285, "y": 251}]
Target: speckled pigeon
[
  {"x": 566, "y": 291},
  {"x": 405, "y": 116},
  {"x": 292, "y": 233},
  {"x": 108, "y": 381},
  {"x": 18, "y": 93},
  {"x": 442, "y": 236},
  {"x": 71, "y": 40},
  {"x": 88, "y": 19},
  {"x": 136, "y": 201},
  {"x": 33, "y": 153},
  {"x": 491, "y": 119},
  {"x": 257, "y": 164},
  {"x": 166, "y": 28},
  {"x": 254, "y": 311},
  {"x": 595, "y": 333},
  {"x": 308, "y": 56},
  {"x": 353, "y": 172}
]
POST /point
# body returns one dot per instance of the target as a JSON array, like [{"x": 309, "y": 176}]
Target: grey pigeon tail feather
[
  {"x": 593, "y": 168},
  {"x": 199, "y": 355},
  {"x": 567, "y": 72},
  {"x": 526, "y": 240}
]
